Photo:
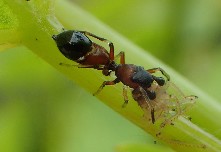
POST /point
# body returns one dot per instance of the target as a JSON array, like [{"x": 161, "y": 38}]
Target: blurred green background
[{"x": 41, "y": 110}]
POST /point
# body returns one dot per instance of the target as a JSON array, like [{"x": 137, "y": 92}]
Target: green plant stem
[{"x": 37, "y": 25}]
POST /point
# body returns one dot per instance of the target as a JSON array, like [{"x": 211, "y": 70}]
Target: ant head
[{"x": 73, "y": 44}]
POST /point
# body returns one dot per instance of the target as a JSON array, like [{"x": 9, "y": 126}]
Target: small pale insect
[{"x": 169, "y": 104}]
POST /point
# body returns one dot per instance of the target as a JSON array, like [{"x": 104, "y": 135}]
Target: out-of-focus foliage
[{"x": 184, "y": 34}]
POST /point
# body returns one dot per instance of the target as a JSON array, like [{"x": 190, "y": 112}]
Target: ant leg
[
  {"x": 146, "y": 98},
  {"x": 111, "y": 45},
  {"x": 153, "y": 70},
  {"x": 106, "y": 83},
  {"x": 121, "y": 55},
  {"x": 98, "y": 67},
  {"x": 125, "y": 96},
  {"x": 122, "y": 58}
]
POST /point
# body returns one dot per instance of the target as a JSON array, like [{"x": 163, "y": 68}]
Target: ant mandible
[{"x": 76, "y": 46}]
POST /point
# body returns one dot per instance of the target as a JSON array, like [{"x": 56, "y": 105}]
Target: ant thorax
[{"x": 169, "y": 104}]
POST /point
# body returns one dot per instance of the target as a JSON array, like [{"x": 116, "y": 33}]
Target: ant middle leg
[
  {"x": 111, "y": 45},
  {"x": 153, "y": 70},
  {"x": 106, "y": 83}
]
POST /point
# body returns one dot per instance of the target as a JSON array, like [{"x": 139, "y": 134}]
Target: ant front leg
[
  {"x": 111, "y": 45},
  {"x": 106, "y": 83},
  {"x": 153, "y": 70}
]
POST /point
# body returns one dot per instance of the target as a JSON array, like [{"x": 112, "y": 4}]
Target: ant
[{"x": 76, "y": 46}]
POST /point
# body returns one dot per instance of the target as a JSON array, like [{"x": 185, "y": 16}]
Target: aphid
[{"x": 169, "y": 104}]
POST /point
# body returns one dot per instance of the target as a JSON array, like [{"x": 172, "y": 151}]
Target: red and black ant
[{"x": 76, "y": 46}]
